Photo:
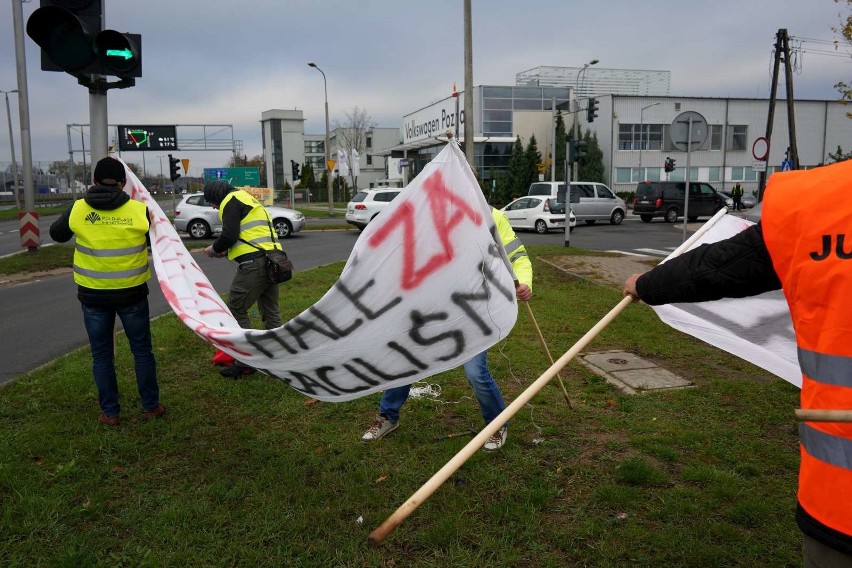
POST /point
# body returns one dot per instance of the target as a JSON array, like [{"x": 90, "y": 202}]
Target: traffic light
[
  {"x": 72, "y": 39},
  {"x": 295, "y": 166},
  {"x": 669, "y": 166},
  {"x": 580, "y": 154},
  {"x": 174, "y": 168},
  {"x": 592, "y": 110}
]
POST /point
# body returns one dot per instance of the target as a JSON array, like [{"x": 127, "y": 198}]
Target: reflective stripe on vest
[
  {"x": 255, "y": 227},
  {"x": 811, "y": 260},
  {"x": 110, "y": 251}
]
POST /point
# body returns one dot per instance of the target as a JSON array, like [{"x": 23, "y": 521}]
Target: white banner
[
  {"x": 757, "y": 329},
  {"x": 425, "y": 288},
  {"x": 342, "y": 165},
  {"x": 355, "y": 163}
]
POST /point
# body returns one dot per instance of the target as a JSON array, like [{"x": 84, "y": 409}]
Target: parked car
[
  {"x": 198, "y": 218},
  {"x": 540, "y": 214},
  {"x": 590, "y": 201},
  {"x": 666, "y": 199},
  {"x": 747, "y": 201},
  {"x": 366, "y": 204}
]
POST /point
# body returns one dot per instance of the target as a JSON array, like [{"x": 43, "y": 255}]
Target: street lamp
[
  {"x": 576, "y": 111},
  {"x": 642, "y": 142},
  {"x": 327, "y": 150},
  {"x": 12, "y": 148}
]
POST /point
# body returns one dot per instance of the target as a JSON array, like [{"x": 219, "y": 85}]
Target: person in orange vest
[{"x": 809, "y": 256}]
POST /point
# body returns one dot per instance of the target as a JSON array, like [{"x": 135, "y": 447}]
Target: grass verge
[{"x": 244, "y": 473}]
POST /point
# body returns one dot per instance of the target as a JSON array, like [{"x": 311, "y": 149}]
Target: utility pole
[
  {"x": 468, "y": 87},
  {"x": 791, "y": 115},
  {"x": 33, "y": 241}
]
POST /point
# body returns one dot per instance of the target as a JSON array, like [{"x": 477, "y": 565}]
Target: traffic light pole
[
  {"x": 24, "y": 113},
  {"x": 98, "y": 123}
]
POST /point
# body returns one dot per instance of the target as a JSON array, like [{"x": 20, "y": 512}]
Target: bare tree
[{"x": 352, "y": 135}]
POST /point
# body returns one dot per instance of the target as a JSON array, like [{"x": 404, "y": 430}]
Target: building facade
[
  {"x": 634, "y": 134},
  {"x": 592, "y": 81},
  {"x": 284, "y": 140}
]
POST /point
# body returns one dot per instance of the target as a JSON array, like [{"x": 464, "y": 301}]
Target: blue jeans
[
  {"x": 137, "y": 326},
  {"x": 484, "y": 387}
]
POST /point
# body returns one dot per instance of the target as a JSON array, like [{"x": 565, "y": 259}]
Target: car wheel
[
  {"x": 283, "y": 228},
  {"x": 540, "y": 227},
  {"x": 646, "y": 218},
  {"x": 617, "y": 217},
  {"x": 198, "y": 229},
  {"x": 671, "y": 215}
]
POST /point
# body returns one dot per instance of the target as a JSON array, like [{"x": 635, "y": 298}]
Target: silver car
[{"x": 198, "y": 218}]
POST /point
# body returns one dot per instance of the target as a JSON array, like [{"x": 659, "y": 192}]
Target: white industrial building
[{"x": 590, "y": 81}]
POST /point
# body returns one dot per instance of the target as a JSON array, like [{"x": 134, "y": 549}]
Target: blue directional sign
[{"x": 786, "y": 165}]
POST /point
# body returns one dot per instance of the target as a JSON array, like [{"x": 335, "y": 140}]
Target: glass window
[
  {"x": 625, "y": 136},
  {"x": 527, "y": 93},
  {"x": 497, "y": 103},
  {"x": 693, "y": 174},
  {"x": 679, "y": 174},
  {"x": 749, "y": 174},
  {"x": 496, "y": 128},
  {"x": 497, "y": 92},
  {"x": 714, "y": 173},
  {"x": 737, "y": 173},
  {"x": 715, "y": 137},
  {"x": 314, "y": 147},
  {"x": 653, "y": 174},
  {"x": 369, "y": 159},
  {"x": 369, "y": 142},
  {"x": 604, "y": 192},
  {"x": 622, "y": 175},
  {"x": 527, "y": 104},
  {"x": 500, "y": 115},
  {"x": 739, "y": 135}
]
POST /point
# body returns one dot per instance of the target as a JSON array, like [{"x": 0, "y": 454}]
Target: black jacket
[
  {"x": 733, "y": 268},
  {"x": 104, "y": 198}
]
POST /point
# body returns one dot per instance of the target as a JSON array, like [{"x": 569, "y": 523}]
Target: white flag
[
  {"x": 342, "y": 166},
  {"x": 758, "y": 329},
  {"x": 356, "y": 163},
  {"x": 425, "y": 289}
]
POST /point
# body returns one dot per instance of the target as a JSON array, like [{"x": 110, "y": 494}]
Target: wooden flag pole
[
  {"x": 382, "y": 531},
  {"x": 815, "y": 415},
  {"x": 549, "y": 356}
]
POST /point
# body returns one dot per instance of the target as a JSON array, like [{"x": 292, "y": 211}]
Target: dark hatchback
[{"x": 666, "y": 199}]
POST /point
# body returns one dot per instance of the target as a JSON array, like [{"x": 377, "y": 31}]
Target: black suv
[{"x": 665, "y": 199}]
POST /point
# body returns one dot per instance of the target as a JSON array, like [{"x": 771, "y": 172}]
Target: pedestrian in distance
[
  {"x": 111, "y": 271},
  {"x": 809, "y": 257},
  {"x": 737, "y": 196},
  {"x": 247, "y": 234},
  {"x": 476, "y": 370}
]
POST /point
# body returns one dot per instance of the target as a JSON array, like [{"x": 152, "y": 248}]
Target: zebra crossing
[{"x": 662, "y": 253}]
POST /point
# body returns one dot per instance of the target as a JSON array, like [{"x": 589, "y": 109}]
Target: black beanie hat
[{"x": 109, "y": 171}]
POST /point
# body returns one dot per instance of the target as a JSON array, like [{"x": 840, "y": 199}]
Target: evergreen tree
[
  {"x": 307, "y": 179},
  {"x": 561, "y": 143},
  {"x": 533, "y": 158},
  {"x": 839, "y": 156},
  {"x": 593, "y": 169},
  {"x": 518, "y": 173}
]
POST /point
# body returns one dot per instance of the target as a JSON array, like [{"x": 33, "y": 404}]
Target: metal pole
[
  {"x": 686, "y": 193},
  {"x": 553, "y": 139},
  {"x": 468, "y": 87},
  {"x": 17, "y": 189},
  {"x": 327, "y": 144},
  {"x": 647, "y": 138},
  {"x": 24, "y": 110},
  {"x": 98, "y": 124}
]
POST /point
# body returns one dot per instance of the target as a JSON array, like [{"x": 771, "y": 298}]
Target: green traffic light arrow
[{"x": 125, "y": 53}]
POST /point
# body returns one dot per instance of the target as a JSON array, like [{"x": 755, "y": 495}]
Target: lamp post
[
  {"x": 162, "y": 179},
  {"x": 642, "y": 142},
  {"x": 576, "y": 111},
  {"x": 327, "y": 150},
  {"x": 12, "y": 148}
]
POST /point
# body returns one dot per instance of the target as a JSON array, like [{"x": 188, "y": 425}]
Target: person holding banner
[
  {"x": 476, "y": 370},
  {"x": 247, "y": 234},
  {"x": 799, "y": 246},
  {"x": 111, "y": 272}
]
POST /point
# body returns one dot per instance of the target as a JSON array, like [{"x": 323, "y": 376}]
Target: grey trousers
[{"x": 249, "y": 286}]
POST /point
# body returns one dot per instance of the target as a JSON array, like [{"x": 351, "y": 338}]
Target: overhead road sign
[{"x": 142, "y": 138}]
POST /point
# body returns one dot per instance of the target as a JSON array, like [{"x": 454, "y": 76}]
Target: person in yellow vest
[
  {"x": 246, "y": 234},
  {"x": 808, "y": 256},
  {"x": 476, "y": 370},
  {"x": 111, "y": 272},
  {"x": 737, "y": 196}
]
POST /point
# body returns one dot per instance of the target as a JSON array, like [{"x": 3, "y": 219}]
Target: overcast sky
[{"x": 225, "y": 62}]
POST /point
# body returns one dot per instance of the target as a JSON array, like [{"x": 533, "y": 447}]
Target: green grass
[{"x": 244, "y": 473}]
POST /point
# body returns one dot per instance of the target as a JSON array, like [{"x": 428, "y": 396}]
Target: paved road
[{"x": 42, "y": 320}]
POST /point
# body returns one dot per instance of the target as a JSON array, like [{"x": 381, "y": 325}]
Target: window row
[
  {"x": 713, "y": 173},
  {"x": 658, "y": 137}
]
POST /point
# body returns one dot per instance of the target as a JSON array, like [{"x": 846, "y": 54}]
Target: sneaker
[
  {"x": 236, "y": 371},
  {"x": 156, "y": 413},
  {"x": 109, "y": 420},
  {"x": 382, "y": 426},
  {"x": 496, "y": 441}
]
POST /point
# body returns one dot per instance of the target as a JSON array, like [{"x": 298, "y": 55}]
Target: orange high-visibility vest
[{"x": 807, "y": 229}]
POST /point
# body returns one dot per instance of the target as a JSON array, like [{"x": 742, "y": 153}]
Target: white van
[{"x": 590, "y": 201}]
